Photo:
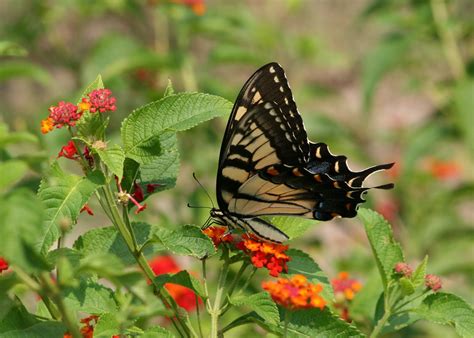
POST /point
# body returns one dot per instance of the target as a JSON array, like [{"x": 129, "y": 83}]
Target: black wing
[{"x": 264, "y": 129}]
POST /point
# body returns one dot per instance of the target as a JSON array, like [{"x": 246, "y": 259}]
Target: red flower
[
  {"x": 183, "y": 296},
  {"x": 87, "y": 330},
  {"x": 265, "y": 254},
  {"x": 217, "y": 235},
  {"x": 295, "y": 293},
  {"x": 138, "y": 192},
  {"x": 101, "y": 100},
  {"x": 403, "y": 269},
  {"x": 151, "y": 187},
  {"x": 87, "y": 209},
  {"x": 3, "y": 265},
  {"x": 433, "y": 282},
  {"x": 65, "y": 113},
  {"x": 69, "y": 151}
]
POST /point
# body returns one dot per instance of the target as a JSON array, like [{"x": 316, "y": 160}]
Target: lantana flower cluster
[
  {"x": 265, "y": 254},
  {"x": 67, "y": 113},
  {"x": 218, "y": 235},
  {"x": 345, "y": 289},
  {"x": 432, "y": 282},
  {"x": 295, "y": 293}
]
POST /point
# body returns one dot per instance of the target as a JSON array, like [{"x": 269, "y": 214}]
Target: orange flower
[
  {"x": 87, "y": 330},
  {"x": 217, "y": 234},
  {"x": 444, "y": 170},
  {"x": 183, "y": 296},
  {"x": 345, "y": 286},
  {"x": 84, "y": 104},
  {"x": 47, "y": 125},
  {"x": 265, "y": 254},
  {"x": 295, "y": 293}
]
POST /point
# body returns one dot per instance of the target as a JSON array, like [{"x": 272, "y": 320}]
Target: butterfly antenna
[
  {"x": 209, "y": 196},
  {"x": 197, "y": 207}
]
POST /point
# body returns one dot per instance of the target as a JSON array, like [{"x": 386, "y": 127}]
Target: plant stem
[
  {"x": 448, "y": 40},
  {"x": 380, "y": 324},
  {"x": 52, "y": 291},
  {"x": 287, "y": 320},
  {"x": 216, "y": 309}
]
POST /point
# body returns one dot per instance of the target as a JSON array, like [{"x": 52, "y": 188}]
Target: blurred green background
[{"x": 377, "y": 80}]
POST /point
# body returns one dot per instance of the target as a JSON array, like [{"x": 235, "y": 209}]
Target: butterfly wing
[{"x": 264, "y": 129}]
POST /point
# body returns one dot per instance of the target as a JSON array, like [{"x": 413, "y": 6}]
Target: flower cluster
[
  {"x": 404, "y": 269},
  {"x": 295, "y": 293},
  {"x": 3, "y": 265},
  {"x": 345, "y": 289},
  {"x": 433, "y": 282},
  {"x": 183, "y": 296},
  {"x": 265, "y": 254},
  {"x": 345, "y": 286},
  {"x": 67, "y": 114},
  {"x": 218, "y": 235}
]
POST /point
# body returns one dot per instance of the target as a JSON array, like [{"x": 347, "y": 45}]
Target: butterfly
[{"x": 267, "y": 166}]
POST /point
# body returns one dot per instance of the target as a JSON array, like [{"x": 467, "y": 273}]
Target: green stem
[
  {"x": 231, "y": 289},
  {"x": 53, "y": 292},
  {"x": 287, "y": 320},
  {"x": 448, "y": 39},
  {"x": 216, "y": 309},
  {"x": 380, "y": 324},
  {"x": 247, "y": 282}
]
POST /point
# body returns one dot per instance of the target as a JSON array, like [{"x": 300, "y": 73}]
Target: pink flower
[{"x": 101, "y": 100}]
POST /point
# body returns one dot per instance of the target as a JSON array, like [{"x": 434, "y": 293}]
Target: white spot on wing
[
  {"x": 276, "y": 79},
  {"x": 272, "y": 69}
]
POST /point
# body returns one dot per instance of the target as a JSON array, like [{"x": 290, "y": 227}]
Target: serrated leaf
[
  {"x": 142, "y": 130},
  {"x": 448, "y": 309},
  {"x": 63, "y": 196},
  {"x": 187, "y": 240},
  {"x": 108, "y": 240},
  {"x": 12, "y": 172},
  {"x": 294, "y": 227},
  {"x": 162, "y": 172},
  {"x": 14, "y": 315},
  {"x": 261, "y": 303},
  {"x": 302, "y": 263},
  {"x": 21, "y": 215},
  {"x": 113, "y": 157},
  {"x": 386, "y": 250},
  {"x": 90, "y": 297},
  {"x": 182, "y": 278},
  {"x": 418, "y": 277}
]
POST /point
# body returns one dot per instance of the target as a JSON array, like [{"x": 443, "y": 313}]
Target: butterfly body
[{"x": 267, "y": 165}]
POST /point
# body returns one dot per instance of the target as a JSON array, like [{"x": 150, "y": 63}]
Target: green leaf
[
  {"x": 406, "y": 286},
  {"x": 463, "y": 103},
  {"x": 131, "y": 171},
  {"x": 113, "y": 157},
  {"x": 14, "y": 315},
  {"x": 261, "y": 303},
  {"x": 63, "y": 196},
  {"x": 108, "y": 240},
  {"x": 302, "y": 263},
  {"x": 7, "y": 137},
  {"x": 46, "y": 329},
  {"x": 90, "y": 297},
  {"x": 294, "y": 227},
  {"x": 418, "y": 277},
  {"x": 187, "y": 240},
  {"x": 21, "y": 215},
  {"x": 12, "y": 172},
  {"x": 317, "y": 323},
  {"x": 10, "y": 48},
  {"x": 386, "y": 250},
  {"x": 380, "y": 61},
  {"x": 107, "y": 326},
  {"x": 448, "y": 309},
  {"x": 91, "y": 126},
  {"x": 163, "y": 171},
  {"x": 142, "y": 130},
  {"x": 182, "y": 278}
]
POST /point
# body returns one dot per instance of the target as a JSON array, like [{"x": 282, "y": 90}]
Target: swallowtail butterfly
[{"x": 267, "y": 165}]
